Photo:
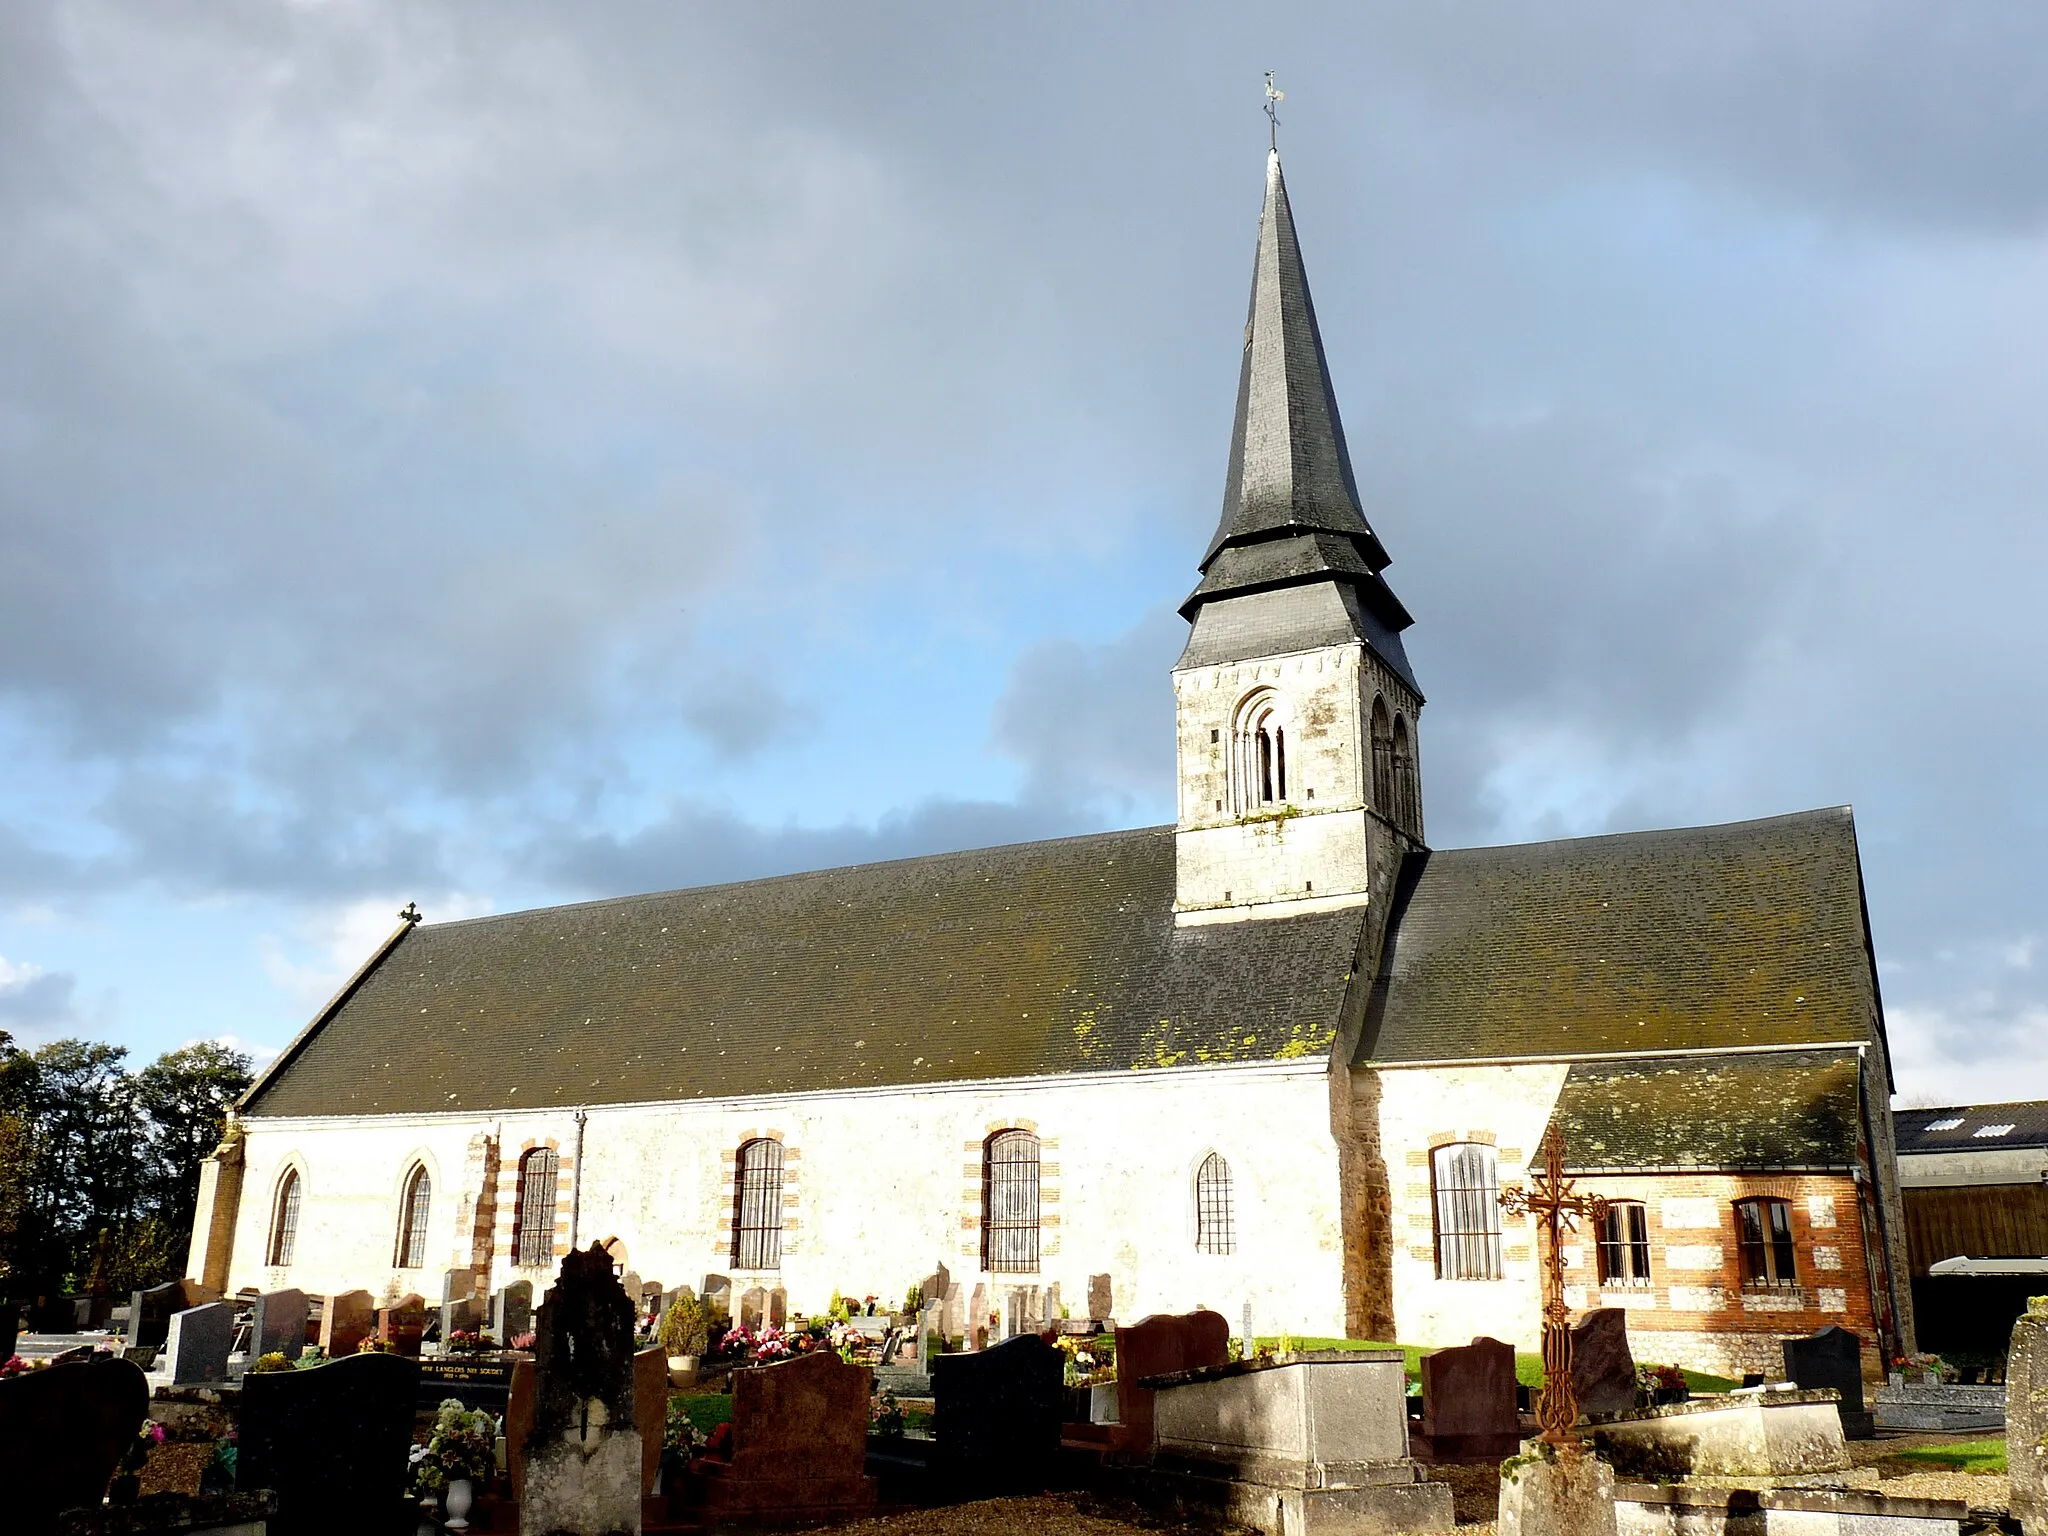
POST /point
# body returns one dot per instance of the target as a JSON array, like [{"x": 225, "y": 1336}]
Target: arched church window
[
  {"x": 1258, "y": 769},
  {"x": 1465, "y": 1179},
  {"x": 757, "y": 1206},
  {"x": 284, "y": 1218},
  {"x": 1215, "y": 1220},
  {"x": 1405, "y": 800},
  {"x": 1382, "y": 758},
  {"x": 412, "y": 1219},
  {"x": 533, "y": 1241},
  {"x": 1009, "y": 1203}
]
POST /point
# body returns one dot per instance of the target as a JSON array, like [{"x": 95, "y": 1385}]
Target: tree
[{"x": 184, "y": 1097}]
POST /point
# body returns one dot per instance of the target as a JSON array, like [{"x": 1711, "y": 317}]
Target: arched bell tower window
[
  {"x": 1382, "y": 759},
  {"x": 1406, "y": 803},
  {"x": 1259, "y": 757}
]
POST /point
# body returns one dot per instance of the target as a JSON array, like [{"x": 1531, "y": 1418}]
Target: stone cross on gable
[{"x": 1557, "y": 1205}]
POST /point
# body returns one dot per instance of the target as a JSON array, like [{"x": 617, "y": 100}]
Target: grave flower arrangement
[
  {"x": 276, "y": 1360},
  {"x": 15, "y": 1366},
  {"x": 1929, "y": 1368},
  {"x": 846, "y": 1341},
  {"x": 218, "y": 1475},
  {"x": 467, "y": 1341},
  {"x": 127, "y": 1485},
  {"x": 887, "y": 1416},
  {"x": 1660, "y": 1384},
  {"x": 372, "y": 1345},
  {"x": 1089, "y": 1360},
  {"x": 680, "y": 1441},
  {"x": 463, "y": 1445}
]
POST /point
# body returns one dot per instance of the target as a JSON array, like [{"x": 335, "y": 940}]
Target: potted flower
[
  {"x": 682, "y": 1338},
  {"x": 1662, "y": 1384},
  {"x": 680, "y": 1441},
  {"x": 127, "y": 1485},
  {"x": 456, "y": 1461}
]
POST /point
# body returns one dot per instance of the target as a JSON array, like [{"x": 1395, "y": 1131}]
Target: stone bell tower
[{"x": 1299, "y": 785}]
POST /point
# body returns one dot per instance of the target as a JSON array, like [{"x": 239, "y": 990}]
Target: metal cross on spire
[
  {"x": 1556, "y": 1204},
  {"x": 1274, "y": 96}
]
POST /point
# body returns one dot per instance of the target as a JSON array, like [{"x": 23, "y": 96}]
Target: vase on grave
[{"x": 461, "y": 1496}]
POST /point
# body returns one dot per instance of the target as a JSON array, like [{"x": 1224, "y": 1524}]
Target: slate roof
[
  {"x": 1039, "y": 958},
  {"x": 1767, "y": 1110},
  {"x": 1743, "y": 935},
  {"x": 1291, "y": 510},
  {"x": 1976, "y": 1130}
]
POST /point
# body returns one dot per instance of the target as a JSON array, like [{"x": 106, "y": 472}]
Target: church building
[{"x": 1281, "y": 1055}]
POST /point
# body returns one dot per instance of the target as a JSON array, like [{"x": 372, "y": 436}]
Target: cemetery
[{"x": 622, "y": 1406}]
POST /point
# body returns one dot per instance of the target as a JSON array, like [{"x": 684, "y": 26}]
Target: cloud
[
  {"x": 35, "y": 1002},
  {"x": 329, "y": 944}
]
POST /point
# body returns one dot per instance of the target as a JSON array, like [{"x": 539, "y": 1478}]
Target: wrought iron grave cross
[{"x": 1557, "y": 1206}]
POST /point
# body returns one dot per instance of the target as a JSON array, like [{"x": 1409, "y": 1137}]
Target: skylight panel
[
  {"x": 1942, "y": 1125},
  {"x": 1990, "y": 1130}
]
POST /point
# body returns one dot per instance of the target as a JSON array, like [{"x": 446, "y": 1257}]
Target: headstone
[
  {"x": 650, "y": 1410},
  {"x": 753, "y": 1304},
  {"x": 463, "y": 1315},
  {"x": 1468, "y": 1403},
  {"x": 2026, "y": 1417},
  {"x": 927, "y": 1324},
  {"x": 1833, "y": 1358},
  {"x": 778, "y": 1307},
  {"x": 799, "y": 1447},
  {"x": 345, "y": 1321},
  {"x": 149, "y": 1314},
  {"x": 583, "y": 1452},
  {"x": 1246, "y": 1348},
  {"x": 334, "y": 1441},
  {"x": 62, "y": 1433},
  {"x": 996, "y": 1415},
  {"x": 1317, "y": 1442},
  {"x": 953, "y": 1311},
  {"x": 512, "y": 1312},
  {"x": 1565, "y": 1496},
  {"x": 277, "y": 1324},
  {"x": 518, "y": 1425},
  {"x": 1603, "y": 1370},
  {"x": 457, "y": 1284},
  {"x": 717, "y": 1298},
  {"x": 933, "y": 1288},
  {"x": 1157, "y": 1346},
  {"x": 404, "y": 1325},
  {"x": 1100, "y": 1306},
  {"x": 977, "y": 1318},
  {"x": 196, "y": 1345}
]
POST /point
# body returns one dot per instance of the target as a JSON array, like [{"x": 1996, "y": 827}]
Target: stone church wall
[{"x": 880, "y": 1187}]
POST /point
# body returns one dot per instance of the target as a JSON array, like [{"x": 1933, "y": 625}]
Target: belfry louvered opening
[
  {"x": 1009, "y": 1203},
  {"x": 757, "y": 1206}
]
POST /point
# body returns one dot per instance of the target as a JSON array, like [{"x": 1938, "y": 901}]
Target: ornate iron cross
[{"x": 1556, "y": 1204}]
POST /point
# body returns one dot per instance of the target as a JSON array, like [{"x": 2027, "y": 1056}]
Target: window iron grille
[
  {"x": 1215, "y": 1224},
  {"x": 284, "y": 1227},
  {"x": 1625, "y": 1244},
  {"x": 412, "y": 1226},
  {"x": 1009, "y": 1203},
  {"x": 757, "y": 1206},
  {"x": 534, "y": 1243},
  {"x": 1764, "y": 1232},
  {"x": 1467, "y": 1183}
]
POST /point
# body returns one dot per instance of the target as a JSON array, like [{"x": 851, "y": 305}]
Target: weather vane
[{"x": 1274, "y": 96}]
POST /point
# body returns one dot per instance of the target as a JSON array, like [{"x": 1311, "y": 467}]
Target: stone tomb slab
[
  {"x": 996, "y": 1415},
  {"x": 1832, "y": 1360},
  {"x": 2026, "y": 1416},
  {"x": 195, "y": 1349},
  {"x": 1603, "y": 1368},
  {"x": 1771, "y": 1439},
  {"x": 1468, "y": 1403},
  {"x": 1300, "y": 1447},
  {"x": 333, "y": 1441},
  {"x": 799, "y": 1447},
  {"x": 62, "y": 1432},
  {"x": 1543, "y": 1494},
  {"x": 1678, "y": 1510},
  {"x": 1161, "y": 1345},
  {"x": 1953, "y": 1409}
]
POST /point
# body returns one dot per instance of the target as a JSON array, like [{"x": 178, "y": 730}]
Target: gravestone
[
  {"x": 928, "y": 1323},
  {"x": 953, "y": 1311},
  {"x": 650, "y": 1410},
  {"x": 277, "y": 1324},
  {"x": 1158, "y": 1346},
  {"x": 512, "y": 1312},
  {"x": 196, "y": 1345},
  {"x": 1833, "y": 1358},
  {"x": 2026, "y": 1417},
  {"x": 10, "y": 1329},
  {"x": 457, "y": 1284},
  {"x": 404, "y": 1325},
  {"x": 753, "y": 1305},
  {"x": 518, "y": 1425},
  {"x": 583, "y": 1452},
  {"x": 977, "y": 1318},
  {"x": 934, "y": 1286},
  {"x": 1563, "y": 1496},
  {"x": 62, "y": 1433},
  {"x": 1468, "y": 1403},
  {"x": 717, "y": 1298},
  {"x": 778, "y": 1307},
  {"x": 149, "y": 1314},
  {"x": 333, "y": 1441},
  {"x": 1603, "y": 1370},
  {"x": 799, "y": 1447},
  {"x": 1100, "y": 1306},
  {"x": 465, "y": 1314},
  {"x": 345, "y": 1321},
  {"x": 996, "y": 1415}
]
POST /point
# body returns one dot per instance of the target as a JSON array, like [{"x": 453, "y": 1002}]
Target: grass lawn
[
  {"x": 1987, "y": 1456},
  {"x": 1528, "y": 1368},
  {"x": 707, "y": 1410}
]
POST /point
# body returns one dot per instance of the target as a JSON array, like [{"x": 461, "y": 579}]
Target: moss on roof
[
  {"x": 1776, "y": 1109},
  {"x": 1749, "y": 934},
  {"x": 1040, "y": 958}
]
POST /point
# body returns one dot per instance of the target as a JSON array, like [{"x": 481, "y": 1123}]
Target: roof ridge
[{"x": 1818, "y": 813}]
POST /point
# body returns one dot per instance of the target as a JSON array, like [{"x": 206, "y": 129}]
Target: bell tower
[{"x": 1299, "y": 784}]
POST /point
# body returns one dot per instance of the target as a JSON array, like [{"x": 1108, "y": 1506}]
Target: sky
[{"x": 498, "y": 454}]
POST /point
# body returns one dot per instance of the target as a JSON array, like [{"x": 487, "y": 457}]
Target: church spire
[{"x": 1291, "y": 511}]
